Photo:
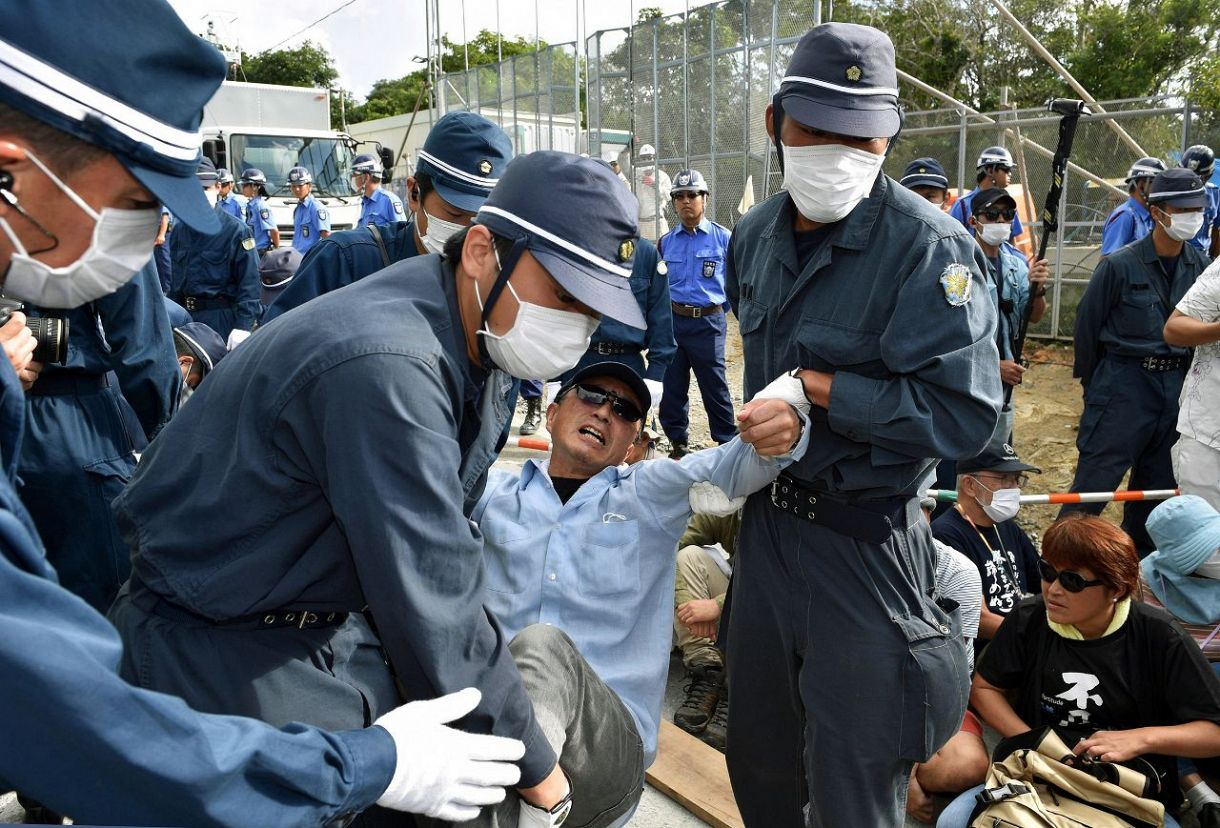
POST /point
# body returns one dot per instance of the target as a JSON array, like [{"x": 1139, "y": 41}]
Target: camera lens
[{"x": 51, "y": 334}]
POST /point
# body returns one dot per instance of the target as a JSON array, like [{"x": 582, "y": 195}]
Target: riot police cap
[
  {"x": 1144, "y": 168},
  {"x": 1201, "y": 159},
  {"x": 924, "y": 172},
  {"x": 992, "y": 195},
  {"x": 1178, "y": 188},
  {"x": 465, "y": 154},
  {"x": 204, "y": 343},
  {"x": 299, "y": 175},
  {"x": 367, "y": 164},
  {"x": 994, "y": 157},
  {"x": 842, "y": 79},
  {"x": 253, "y": 175},
  {"x": 688, "y": 181},
  {"x": 133, "y": 85},
  {"x": 206, "y": 172},
  {"x": 577, "y": 220}
]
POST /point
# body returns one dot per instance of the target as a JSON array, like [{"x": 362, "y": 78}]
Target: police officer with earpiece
[
  {"x": 377, "y": 205},
  {"x": 866, "y": 306},
  {"x": 99, "y": 126}
]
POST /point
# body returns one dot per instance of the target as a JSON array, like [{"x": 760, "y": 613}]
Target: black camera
[{"x": 50, "y": 332}]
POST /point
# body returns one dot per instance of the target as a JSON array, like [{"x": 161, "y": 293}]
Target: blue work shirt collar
[
  {"x": 1140, "y": 209},
  {"x": 704, "y": 226},
  {"x": 533, "y": 468}
]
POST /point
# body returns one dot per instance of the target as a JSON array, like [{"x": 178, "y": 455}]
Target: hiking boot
[
  {"x": 679, "y": 451},
  {"x": 533, "y": 417},
  {"x": 702, "y": 691},
  {"x": 716, "y": 733}
]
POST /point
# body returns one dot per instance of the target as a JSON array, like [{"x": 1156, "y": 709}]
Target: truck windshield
[{"x": 329, "y": 161}]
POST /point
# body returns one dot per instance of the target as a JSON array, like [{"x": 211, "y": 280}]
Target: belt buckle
[
  {"x": 602, "y": 349},
  {"x": 696, "y": 313},
  {"x": 190, "y": 304}
]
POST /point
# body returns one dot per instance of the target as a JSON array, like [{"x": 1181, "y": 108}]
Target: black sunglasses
[
  {"x": 597, "y": 397},
  {"x": 1072, "y": 581},
  {"x": 995, "y": 214}
]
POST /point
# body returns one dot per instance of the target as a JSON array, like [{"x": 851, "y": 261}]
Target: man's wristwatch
[{"x": 551, "y": 817}]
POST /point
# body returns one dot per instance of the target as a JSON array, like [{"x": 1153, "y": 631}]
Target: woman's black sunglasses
[
  {"x": 597, "y": 397},
  {"x": 995, "y": 214},
  {"x": 1072, "y": 581}
]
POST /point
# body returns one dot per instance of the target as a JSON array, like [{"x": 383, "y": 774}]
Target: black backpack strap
[{"x": 385, "y": 254}]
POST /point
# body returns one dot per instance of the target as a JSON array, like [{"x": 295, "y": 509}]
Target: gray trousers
[
  {"x": 586, "y": 723},
  {"x": 844, "y": 671}
]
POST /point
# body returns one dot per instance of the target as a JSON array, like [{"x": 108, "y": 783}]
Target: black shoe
[
  {"x": 702, "y": 692},
  {"x": 679, "y": 451},
  {"x": 716, "y": 733},
  {"x": 533, "y": 417},
  {"x": 1209, "y": 815}
]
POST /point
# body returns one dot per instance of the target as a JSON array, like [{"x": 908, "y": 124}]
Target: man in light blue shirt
[{"x": 579, "y": 556}]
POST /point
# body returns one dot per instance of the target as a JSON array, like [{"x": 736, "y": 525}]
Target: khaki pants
[
  {"x": 1197, "y": 469},
  {"x": 697, "y": 577}
]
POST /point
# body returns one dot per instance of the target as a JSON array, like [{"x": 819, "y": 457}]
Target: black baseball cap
[
  {"x": 992, "y": 195},
  {"x": 993, "y": 459},
  {"x": 643, "y": 397}
]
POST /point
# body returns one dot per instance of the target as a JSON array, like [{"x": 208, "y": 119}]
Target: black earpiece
[{"x": 6, "y": 180}]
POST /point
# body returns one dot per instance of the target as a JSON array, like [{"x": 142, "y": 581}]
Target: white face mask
[
  {"x": 122, "y": 244},
  {"x": 439, "y": 232},
  {"x": 994, "y": 234},
  {"x": 1004, "y": 505},
  {"x": 1183, "y": 226},
  {"x": 826, "y": 182},
  {"x": 213, "y": 196},
  {"x": 542, "y": 343}
]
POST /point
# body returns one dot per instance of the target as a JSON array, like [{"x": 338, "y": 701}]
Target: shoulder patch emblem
[
  {"x": 956, "y": 283},
  {"x": 662, "y": 267},
  {"x": 265, "y": 213},
  {"x": 323, "y": 215},
  {"x": 709, "y": 268},
  {"x": 248, "y": 244},
  {"x": 626, "y": 250},
  {"x": 398, "y": 207}
]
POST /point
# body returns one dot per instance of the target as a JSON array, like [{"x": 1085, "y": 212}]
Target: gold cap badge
[
  {"x": 853, "y": 73},
  {"x": 485, "y": 167}
]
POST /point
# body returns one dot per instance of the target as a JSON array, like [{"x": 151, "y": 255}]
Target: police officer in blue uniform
[
  {"x": 216, "y": 274},
  {"x": 926, "y": 178},
  {"x": 865, "y": 305},
  {"x": 233, "y": 203},
  {"x": 1202, "y": 161},
  {"x": 310, "y": 220},
  {"x": 1130, "y": 220},
  {"x": 694, "y": 254},
  {"x": 358, "y": 432},
  {"x": 1131, "y": 377},
  {"x": 81, "y": 176},
  {"x": 993, "y": 169},
  {"x": 377, "y": 205},
  {"x": 258, "y": 214},
  {"x": 461, "y": 160}
]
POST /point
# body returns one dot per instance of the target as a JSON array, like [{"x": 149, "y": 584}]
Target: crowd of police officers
[{"x": 287, "y": 557}]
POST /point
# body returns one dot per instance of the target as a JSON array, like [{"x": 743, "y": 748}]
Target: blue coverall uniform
[
  {"x": 695, "y": 260},
  {"x": 345, "y": 445},
  {"x": 309, "y": 221},
  {"x": 216, "y": 276},
  {"x": 1132, "y": 378},
  {"x": 84, "y": 742},
  {"x": 1129, "y": 222},
  {"x": 342, "y": 258},
  {"x": 842, "y": 663},
  {"x": 382, "y": 207},
  {"x": 84, "y": 421},
  {"x": 261, "y": 223}
]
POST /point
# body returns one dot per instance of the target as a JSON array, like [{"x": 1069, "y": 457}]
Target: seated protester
[
  {"x": 981, "y": 527},
  {"x": 275, "y": 272},
  {"x": 1113, "y": 677},
  {"x": 199, "y": 349},
  {"x": 579, "y": 570},
  {"x": 962, "y": 763},
  {"x": 705, "y": 555}
]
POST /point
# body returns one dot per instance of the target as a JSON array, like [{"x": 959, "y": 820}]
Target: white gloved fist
[
  {"x": 706, "y": 498},
  {"x": 788, "y": 388},
  {"x": 655, "y": 388},
  {"x": 442, "y": 772},
  {"x": 236, "y": 337}
]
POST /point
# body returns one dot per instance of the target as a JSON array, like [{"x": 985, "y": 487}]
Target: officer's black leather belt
[
  {"x": 871, "y": 523},
  {"x": 1163, "y": 363},
  {"x": 63, "y": 383},
  {"x": 203, "y": 303},
  {"x": 613, "y": 348},
  {"x": 695, "y": 312},
  {"x": 302, "y": 619}
]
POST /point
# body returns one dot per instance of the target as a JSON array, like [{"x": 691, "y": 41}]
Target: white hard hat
[{"x": 647, "y": 149}]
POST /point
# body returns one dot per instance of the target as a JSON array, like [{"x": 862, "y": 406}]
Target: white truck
[{"x": 276, "y": 128}]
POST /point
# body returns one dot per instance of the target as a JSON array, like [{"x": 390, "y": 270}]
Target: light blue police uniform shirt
[
  {"x": 382, "y": 207},
  {"x": 236, "y": 205},
  {"x": 309, "y": 220},
  {"x": 695, "y": 260},
  {"x": 601, "y": 566},
  {"x": 1129, "y": 222},
  {"x": 260, "y": 221},
  {"x": 1211, "y": 218}
]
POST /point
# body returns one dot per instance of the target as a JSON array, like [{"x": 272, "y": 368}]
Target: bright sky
[{"x": 374, "y": 39}]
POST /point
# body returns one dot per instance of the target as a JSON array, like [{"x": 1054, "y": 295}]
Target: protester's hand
[
  {"x": 1113, "y": 745},
  {"x": 1010, "y": 372},
  {"x": 442, "y": 772},
  {"x": 1039, "y": 272},
  {"x": 19, "y": 345},
  {"x": 788, "y": 388},
  {"x": 771, "y": 426},
  {"x": 703, "y": 629},
  {"x": 706, "y": 498},
  {"x": 699, "y": 610},
  {"x": 29, "y": 375}
]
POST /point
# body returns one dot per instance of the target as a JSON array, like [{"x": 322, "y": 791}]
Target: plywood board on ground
[{"x": 695, "y": 775}]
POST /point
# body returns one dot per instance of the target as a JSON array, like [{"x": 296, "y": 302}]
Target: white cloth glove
[
  {"x": 236, "y": 337},
  {"x": 788, "y": 388},
  {"x": 706, "y": 498},
  {"x": 655, "y": 388},
  {"x": 531, "y": 816},
  {"x": 442, "y": 772}
]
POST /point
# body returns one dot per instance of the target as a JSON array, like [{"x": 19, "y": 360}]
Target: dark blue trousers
[
  {"x": 1129, "y": 422},
  {"x": 700, "y": 349},
  {"x": 531, "y": 389}
]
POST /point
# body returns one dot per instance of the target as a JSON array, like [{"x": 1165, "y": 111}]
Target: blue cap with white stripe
[
  {"x": 924, "y": 172},
  {"x": 464, "y": 155},
  {"x": 842, "y": 79},
  {"x": 1178, "y": 188},
  {"x": 134, "y": 85},
  {"x": 578, "y": 220}
]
